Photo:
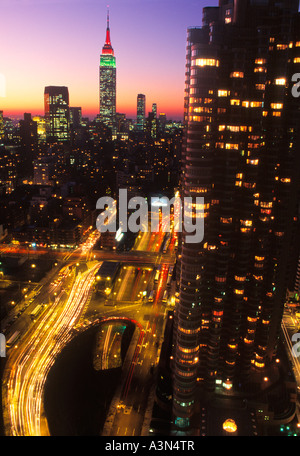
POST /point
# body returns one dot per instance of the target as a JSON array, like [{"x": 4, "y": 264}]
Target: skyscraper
[
  {"x": 75, "y": 116},
  {"x": 57, "y": 115},
  {"x": 154, "y": 110},
  {"x": 141, "y": 112},
  {"x": 107, "y": 76},
  {"x": 240, "y": 154}
]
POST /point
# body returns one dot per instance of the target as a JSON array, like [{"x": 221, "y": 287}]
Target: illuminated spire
[{"x": 107, "y": 48}]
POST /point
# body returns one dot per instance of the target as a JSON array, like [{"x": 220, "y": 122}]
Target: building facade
[
  {"x": 141, "y": 112},
  {"x": 240, "y": 154},
  {"x": 107, "y": 82},
  {"x": 57, "y": 113}
]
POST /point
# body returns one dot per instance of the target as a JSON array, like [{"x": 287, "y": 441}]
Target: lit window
[
  {"x": 200, "y": 119},
  {"x": 237, "y": 74},
  {"x": 266, "y": 204},
  {"x": 252, "y": 162},
  {"x": 188, "y": 331},
  {"x": 234, "y": 102},
  {"x": 297, "y": 60},
  {"x": 201, "y": 109},
  {"x": 220, "y": 279},
  {"x": 297, "y": 44},
  {"x": 256, "y": 104},
  {"x": 281, "y": 47},
  {"x": 260, "y": 61},
  {"x": 217, "y": 313},
  {"x": 276, "y": 113},
  {"x": 226, "y": 220},
  {"x": 280, "y": 81},
  {"x": 246, "y": 222},
  {"x": 207, "y": 62},
  {"x": 247, "y": 341},
  {"x": 276, "y": 105},
  {"x": 188, "y": 350},
  {"x": 260, "y": 86},
  {"x": 279, "y": 233},
  {"x": 240, "y": 279},
  {"x": 231, "y": 146},
  {"x": 258, "y": 278},
  {"x": 223, "y": 93},
  {"x": 285, "y": 180}
]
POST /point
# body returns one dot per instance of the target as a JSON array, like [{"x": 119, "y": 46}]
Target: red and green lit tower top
[{"x": 108, "y": 81}]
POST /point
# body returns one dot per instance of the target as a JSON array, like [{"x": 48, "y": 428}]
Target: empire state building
[{"x": 107, "y": 82}]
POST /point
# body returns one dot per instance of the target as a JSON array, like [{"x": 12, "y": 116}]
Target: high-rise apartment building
[
  {"x": 107, "y": 76},
  {"x": 57, "y": 113},
  {"x": 42, "y": 168},
  {"x": 141, "y": 112},
  {"x": 241, "y": 153}
]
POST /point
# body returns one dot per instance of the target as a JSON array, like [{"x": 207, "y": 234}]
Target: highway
[
  {"x": 128, "y": 412},
  {"x": 67, "y": 299},
  {"x": 290, "y": 325}
]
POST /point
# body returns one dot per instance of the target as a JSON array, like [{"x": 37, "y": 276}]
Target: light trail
[{"x": 34, "y": 358}]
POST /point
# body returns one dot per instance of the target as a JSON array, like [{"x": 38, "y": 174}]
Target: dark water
[
  {"x": 77, "y": 397},
  {"x": 2, "y": 365}
]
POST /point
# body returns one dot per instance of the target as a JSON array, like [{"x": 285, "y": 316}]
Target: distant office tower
[
  {"x": 41, "y": 128},
  {"x": 108, "y": 82},
  {"x": 75, "y": 117},
  {"x": 154, "y": 109},
  {"x": 241, "y": 153},
  {"x": 141, "y": 112},
  {"x": 151, "y": 125},
  {"x": 28, "y": 132},
  {"x": 57, "y": 115}
]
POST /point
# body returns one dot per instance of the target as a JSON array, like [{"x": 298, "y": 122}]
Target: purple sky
[{"x": 58, "y": 42}]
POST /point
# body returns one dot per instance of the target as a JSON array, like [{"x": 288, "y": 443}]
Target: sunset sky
[{"x": 58, "y": 42}]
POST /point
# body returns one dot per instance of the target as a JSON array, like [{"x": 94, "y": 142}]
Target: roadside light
[{"x": 33, "y": 266}]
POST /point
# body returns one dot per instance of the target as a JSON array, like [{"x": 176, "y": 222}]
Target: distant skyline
[{"x": 59, "y": 42}]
